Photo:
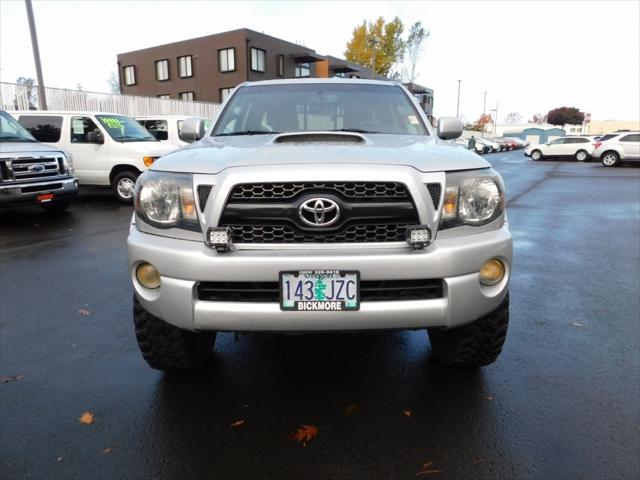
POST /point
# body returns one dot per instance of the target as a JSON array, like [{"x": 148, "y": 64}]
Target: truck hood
[
  {"x": 23, "y": 148},
  {"x": 212, "y": 155}
]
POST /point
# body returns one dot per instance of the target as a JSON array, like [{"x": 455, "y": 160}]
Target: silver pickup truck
[
  {"x": 320, "y": 205},
  {"x": 31, "y": 172}
]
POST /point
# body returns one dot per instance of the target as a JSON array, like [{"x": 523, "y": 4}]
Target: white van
[
  {"x": 107, "y": 149},
  {"x": 168, "y": 128}
]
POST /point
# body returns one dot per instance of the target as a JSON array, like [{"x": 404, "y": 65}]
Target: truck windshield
[
  {"x": 304, "y": 107},
  {"x": 125, "y": 129},
  {"x": 12, "y": 131}
]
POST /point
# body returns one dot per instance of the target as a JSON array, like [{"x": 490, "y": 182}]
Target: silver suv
[
  {"x": 320, "y": 205},
  {"x": 614, "y": 148}
]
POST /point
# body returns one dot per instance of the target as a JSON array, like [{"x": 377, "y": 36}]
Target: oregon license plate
[{"x": 320, "y": 290}]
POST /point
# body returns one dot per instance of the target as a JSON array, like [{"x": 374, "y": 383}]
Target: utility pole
[
  {"x": 484, "y": 108},
  {"x": 458, "y": 106},
  {"x": 42, "y": 99},
  {"x": 495, "y": 119}
]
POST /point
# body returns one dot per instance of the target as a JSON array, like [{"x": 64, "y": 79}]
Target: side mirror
[
  {"x": 193, "y": 129},
  {"x": 449, "y": 127},
  {"x": 95, "y": 137}
]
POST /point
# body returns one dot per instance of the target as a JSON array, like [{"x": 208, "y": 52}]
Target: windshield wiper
[
  {"x": 246, "y": 132},
  {"x": 354, "y": 130},
  {"x": 12, "y": 138}
]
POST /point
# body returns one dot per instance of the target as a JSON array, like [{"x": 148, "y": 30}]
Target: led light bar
[
  {"x": 419, "y": 236},
  {"x": 219, "y": 238}
]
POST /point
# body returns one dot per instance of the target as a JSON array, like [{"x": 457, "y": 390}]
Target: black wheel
[
  {"x": 474, "y": 345},
  {"x": 536, "y": 155},
  {"x": 56, "y": 206},
  {"x": 122, "y": 185},
  {"x": 610, "y": 159},
  {"x": 170, "y": 348},
  {"x": 582, "y": 156}
]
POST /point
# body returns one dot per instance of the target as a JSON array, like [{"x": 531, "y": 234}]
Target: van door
[{"x": 90, "y": 157}]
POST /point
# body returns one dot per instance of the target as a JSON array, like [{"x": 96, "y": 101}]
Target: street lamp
[
  {"x": 458, "y": 105},
  {"x": 495, "y": 118}
]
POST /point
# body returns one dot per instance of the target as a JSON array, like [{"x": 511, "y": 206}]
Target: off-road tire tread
[
  {"x": 169, "y": 348},
  {"x": 474, "y": 345}
]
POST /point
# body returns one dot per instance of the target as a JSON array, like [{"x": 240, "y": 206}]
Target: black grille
[
  {"x": 41, "y": 188},
  {"x": 370, "y": 291},
  {"x": 349, "y": 190},
  {"x": 352, "y": 234},
  {"x": 203, "y": 195},
  {"x": 434, "y": 190}
]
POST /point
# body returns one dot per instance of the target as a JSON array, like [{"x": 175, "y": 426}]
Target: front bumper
[
  {"x": 457, "y": 260},
  {"x": 27, "y": 192}
]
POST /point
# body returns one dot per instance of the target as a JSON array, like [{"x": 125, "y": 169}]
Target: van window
[
  {"x": 44, "y": 128},
  {"x": 80, "y": 128},
  {"x": 157, "y": 128}
]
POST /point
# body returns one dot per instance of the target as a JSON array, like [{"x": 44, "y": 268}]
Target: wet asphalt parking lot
[{"x": 562, "y": 402}]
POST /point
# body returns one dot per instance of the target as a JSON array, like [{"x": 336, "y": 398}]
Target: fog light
[
  {"x": 219, "y": 238},
  {"x": 491, "y": 272},
  {"x": 147, "y": 275},
  {"x": 419, "y": 236}
]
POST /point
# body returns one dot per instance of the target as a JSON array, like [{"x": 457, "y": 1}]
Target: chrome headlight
[
  {"x": 68, "y": 163},
  {"x": 165, "y": 200},
  {"x": 472, "y": 198}
]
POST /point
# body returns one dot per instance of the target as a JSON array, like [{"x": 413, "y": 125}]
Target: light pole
[
  {"x": 495, "y": 119},
  {"x": 373, "y": 43},
  {"x": 458, "y": 105},
  {"x": 42, "y": 99},
  {"x": 484, "y": 108}
]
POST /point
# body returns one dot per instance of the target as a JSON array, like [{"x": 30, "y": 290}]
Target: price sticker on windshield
[{"x": 111, "y": 122}]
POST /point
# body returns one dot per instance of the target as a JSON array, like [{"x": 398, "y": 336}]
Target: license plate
[
  {"x": 45, "y": 197},
  {"x": 320, "y": 290}
]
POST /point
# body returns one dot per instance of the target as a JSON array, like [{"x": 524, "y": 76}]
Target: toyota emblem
[{"x": 319, "y": 212}]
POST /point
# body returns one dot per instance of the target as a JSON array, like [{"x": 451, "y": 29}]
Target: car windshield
[
  {"x": 305, "y": 107},
  {"x": 125, "y": 129},
  {"x": 12, "y": 131}
]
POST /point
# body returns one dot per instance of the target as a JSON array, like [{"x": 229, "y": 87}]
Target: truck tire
[
  {"x": 56, "y": 206},
  {"x": 122, "y": 185},
  {"x": 474, "y": 345},
  {"x": 169, "y": 348}
]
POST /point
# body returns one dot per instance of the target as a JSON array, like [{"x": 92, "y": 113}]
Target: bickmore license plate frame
[{"x": 322, "y": 290}]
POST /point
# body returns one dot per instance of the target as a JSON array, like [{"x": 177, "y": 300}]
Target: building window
[
  {"x": 224, "y": 93},
  {"x": 43, "y": 127},
  {"x": 257, "y": 59},
  {"x": 187, "y": 96},
  {"x": 162, "y": 70},
  {"x": 227, "y": 60},
  {"x": 303, "y": 70},
  {"x": 165, "y": 96},
  {"x": 130, "y": 75},
  {"x": 281, "y": 65},
  {"x": 184, "y": 66}
]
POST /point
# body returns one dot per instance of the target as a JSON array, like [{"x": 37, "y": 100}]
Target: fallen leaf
[
  {"x": 237, "y": 423},
  {"x": 107, "y": 450},
  {"x": 577, "y": 324},
  {"x": 488, "y": 397},
  {"x": 305, "y": 434},
  {"x": 84, "y": 312},
  {"x": 11, "y": 378},
  {"x": 427, "y": 470},
  {"x": 86, "y": 418},
  {"x": 351, "y": 409},
  {"x": 407, "y": 413}
]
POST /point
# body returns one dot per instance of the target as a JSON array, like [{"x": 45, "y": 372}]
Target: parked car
[
  {"x": 108, "y": 149},
  {"x": 168, "y": 128},
  {"x": 493, "y": 145},
  {"x": 516, "y": 142},
  {"x": 482, "y": 146},
  {"x": 612, "y": 149},
  {"x": 264, "y": 224},
  {"x": 503, "y": 144},
  {"x": 580, "y": 148},
  {"x": 33, "y": 173}
]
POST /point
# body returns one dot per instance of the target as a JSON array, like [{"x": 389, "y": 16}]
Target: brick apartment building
[{"x": 207, "y": 68}]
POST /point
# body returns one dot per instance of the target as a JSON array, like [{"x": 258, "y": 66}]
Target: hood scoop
[{"x": 320, "y": 137}]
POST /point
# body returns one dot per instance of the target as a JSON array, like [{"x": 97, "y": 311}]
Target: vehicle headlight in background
[
  {"x": 472, "y": 198},
  {"x": 68, "y": 163},
  {"x": 165, "y": 200}
]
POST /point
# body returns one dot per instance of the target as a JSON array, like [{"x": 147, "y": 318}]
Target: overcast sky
[{"x": 529, "y": 56}]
